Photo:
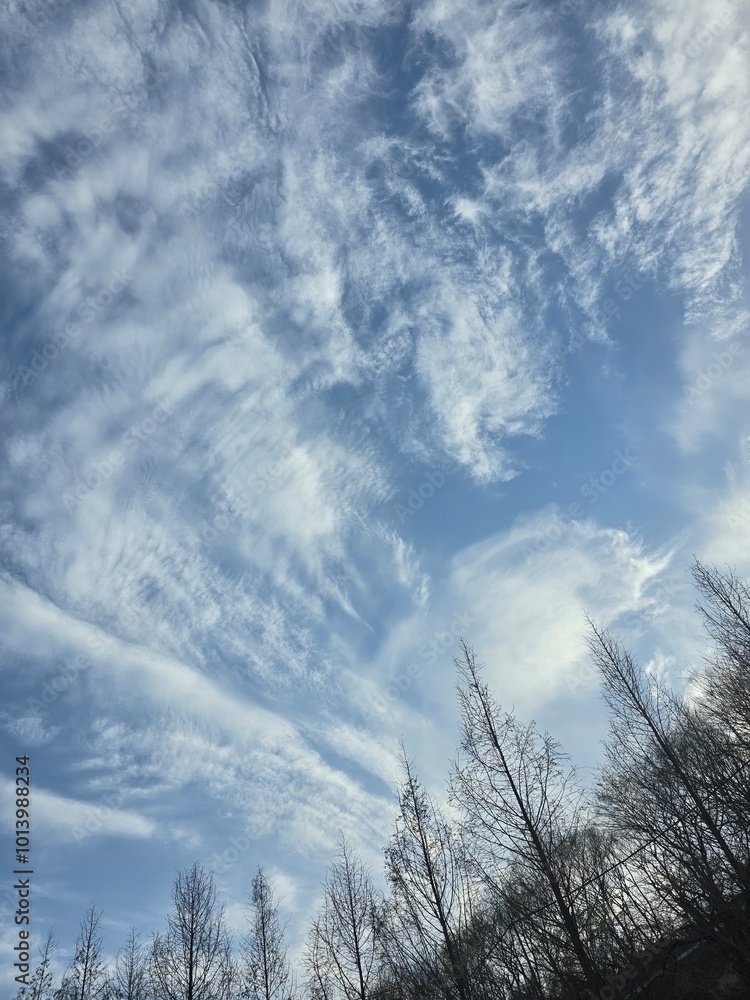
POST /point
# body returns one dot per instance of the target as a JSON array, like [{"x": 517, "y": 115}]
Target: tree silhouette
[
  {"x": 40, "y": 984},
  {"x": 430, "y": 906},
  {"x": 342, "y": 948},
  {"x": 130, "y": 980},
  {"x": 86, "y": 977},
  {"x": 193, "y": 960},
  {"x": 522, "y": 810},
  {"x": 267, "y": 975}
]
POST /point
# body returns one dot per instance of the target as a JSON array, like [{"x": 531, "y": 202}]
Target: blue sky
[{"x": 331, "y": 332}]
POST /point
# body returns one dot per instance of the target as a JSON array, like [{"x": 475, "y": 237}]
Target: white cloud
[
  {"x": 29, "y": 730},
  {"x": 725, "y": 529},
  {"x": 488, "y": 378},
  {"x": 530, "y": 605},
  {"x": 714, "y": 370},
  {"x": 504, "y": 66},
  {"x": 60, "y": 818}
]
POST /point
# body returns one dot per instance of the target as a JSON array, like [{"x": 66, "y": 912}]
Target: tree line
[{"x": 533, "y": 887}]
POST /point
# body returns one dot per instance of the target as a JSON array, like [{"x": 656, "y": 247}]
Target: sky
[{"x": 333, "y": 331}]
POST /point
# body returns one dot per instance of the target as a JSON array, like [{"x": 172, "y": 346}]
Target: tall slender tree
[
  {"x": 266, "y": 973},
  {"x": 342, "y": 949},
  {"x": 430, "y": 907},
  {"x": 86, "y": 977},
  {"x": 521, "y": 803},
  {"x": 130, "y": 979},
  {"x": 40, "y": 984},
  {"x": 193, "y": 960}
]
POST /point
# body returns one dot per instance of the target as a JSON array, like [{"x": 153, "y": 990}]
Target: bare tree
[
  {"x": 192, "y": 961},
  {"x": 725, "y": 609},
  {"x": 429, "y": 911},
  {"x": 40, "y": 984},
  {"x": 342, "y": 949},
  {"x": 267, "y": 975},
  {"x": 86, "y": 977},
  {"x": 662, "y": 756},
  {"x": 675, "y": 785},
  {"x": 725, "y": 684},
  {"x": 130, "y": 980},
  {"x": 522, "y": 809}
]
